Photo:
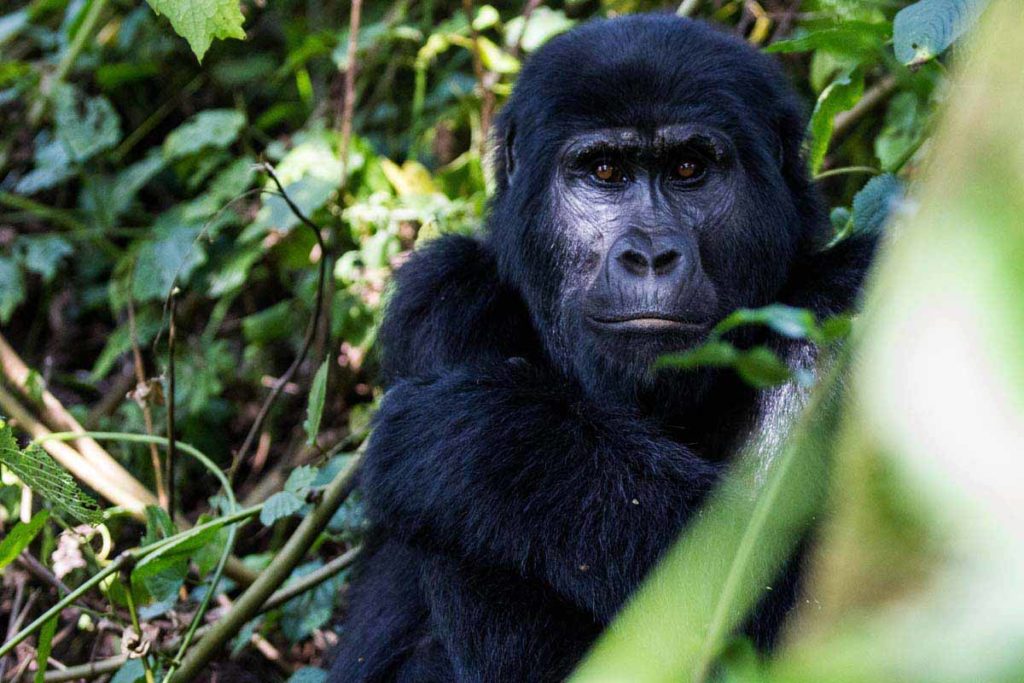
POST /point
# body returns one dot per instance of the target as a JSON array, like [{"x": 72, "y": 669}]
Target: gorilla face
[{"x": 641, "y": 199}]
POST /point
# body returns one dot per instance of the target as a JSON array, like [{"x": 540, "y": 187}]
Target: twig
[
  {"x": 482, "y": 77},
  {"x": 275, "y": 391},
  {"x": 12, "y": 618},
  {"x": 311, "y": 580},
  {"x": 249, "y": 603},
  {"x": 147, "y": 412},
  {"x": 688, "y": 7},
  {"x": 172, "y": 335},
  {"x": 350, "y": 86},
  {"x": 875, "y": 95},
  {"x": 845, "y": 170},
  {"x": 531, "y": 5}
]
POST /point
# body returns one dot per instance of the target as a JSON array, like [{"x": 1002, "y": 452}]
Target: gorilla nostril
[
  {"x": 634, "y": 262},
  {"x": 666, "y": 261}
]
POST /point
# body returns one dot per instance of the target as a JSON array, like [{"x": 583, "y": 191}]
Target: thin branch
[
  {"x": 875, "y": 95},
  {"x": 172, "y": 336},
  {"x": 483, "y": 80},
  {"x": 531, "y": 5},
  {"x": 350, "y": 85},
  {"x": 275, "y": 391},
  {"x": 147, "y": 412},
  {"x": 688, "y": 7},
  {"x": 311, "y": 580}
]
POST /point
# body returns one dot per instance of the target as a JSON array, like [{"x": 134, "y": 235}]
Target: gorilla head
[{"x": 650, "y": 182}]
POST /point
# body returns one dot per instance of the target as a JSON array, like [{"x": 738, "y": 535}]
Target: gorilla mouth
[{"x": 649, "y": 322}]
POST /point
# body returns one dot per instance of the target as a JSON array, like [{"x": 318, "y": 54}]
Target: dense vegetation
[{"x": 215, "y": 221}]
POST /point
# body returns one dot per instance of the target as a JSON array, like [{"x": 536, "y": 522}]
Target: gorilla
[{"x": 528, "y": 466}]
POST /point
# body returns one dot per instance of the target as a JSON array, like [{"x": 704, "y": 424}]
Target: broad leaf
[
  {"x": 873, "y": 205},
  {"x": 201, "y": 21},
  {"x": 86, "y": 126},
  {"x": 281, "y": 504},
  {"x": 923, "y": 31},
  {"x": 216, "y": 128}
]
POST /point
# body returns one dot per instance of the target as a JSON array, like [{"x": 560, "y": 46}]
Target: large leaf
[
  {"x": 201, "y": 21},
  {"x": 925, "y": 29},
  {"x": 85, "y": 125},
  {"x": 47, "y": 479}
]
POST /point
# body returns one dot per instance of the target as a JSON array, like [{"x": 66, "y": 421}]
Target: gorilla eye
[
  {"x": 689, "y": 169},
  {"x": 608, "y": 172}
]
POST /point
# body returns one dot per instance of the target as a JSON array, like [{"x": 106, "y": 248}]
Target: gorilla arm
[{"x": 508, "y": 469}]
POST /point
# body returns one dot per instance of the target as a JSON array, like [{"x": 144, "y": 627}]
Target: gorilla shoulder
[{"x": 448, "y": 307}]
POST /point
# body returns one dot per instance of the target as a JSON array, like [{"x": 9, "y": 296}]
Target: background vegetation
[{"x": 221, "y": 232}]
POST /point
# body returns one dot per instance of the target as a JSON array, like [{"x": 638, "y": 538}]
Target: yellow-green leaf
[{"x": 200, "y": 21}]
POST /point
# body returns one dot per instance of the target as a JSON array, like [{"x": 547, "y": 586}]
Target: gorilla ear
[{"x": 508, "y": 150}]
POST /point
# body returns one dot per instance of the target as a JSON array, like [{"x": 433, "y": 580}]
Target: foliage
[{"x": 128, "y": 169}]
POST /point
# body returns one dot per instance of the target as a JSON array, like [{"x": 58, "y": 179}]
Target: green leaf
[
  {"x": 171, "y": 257},
  {"x": 794, "y": 323},
  {"x": 873, "y": 205},
  {"x": 217, "y": 128},
  {"x": 20, "y": 536},
  {"x": 12, "y": 288},
  {"x": 52, "y": 166},
  {"x": 305, "y": 613},
  {"x": 85, "y": 125},
  {"x": 301, "y": 479},
  {"x": 315, "y": 406},
  {"x": 46, "y": 478},
  {"x": 201, "y": 21},
  {"x": 761, "y": 368},
  {"x": 712, "y": 354},
  {"x": 544, "y": 24},
  {"x": 42, "y": 254},
  {"x": 281, "y": 504},
  {"x": 840, "y": 95},
  {"x": 44, "y": 646},
  {"x": 923, "y": 31},
  {"x": 857, "y": 38},
  {"x": 903, "y": 129}
]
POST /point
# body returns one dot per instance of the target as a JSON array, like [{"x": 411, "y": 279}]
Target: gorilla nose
[{"x": 639, "y": 256}]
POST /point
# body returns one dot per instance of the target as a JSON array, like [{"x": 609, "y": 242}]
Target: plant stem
[
  {"x": 847, "y": 169},
  {"x": 249, "y": 603},
  {"x": 311, "y": 580}
]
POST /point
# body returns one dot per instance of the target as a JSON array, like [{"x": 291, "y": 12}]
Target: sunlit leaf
[
  {"x": 201, "y": 21},
  {"x": 217, "y": 128}
]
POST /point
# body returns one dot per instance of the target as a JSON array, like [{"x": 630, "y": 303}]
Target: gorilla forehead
[{"x": 643, "y": 71}]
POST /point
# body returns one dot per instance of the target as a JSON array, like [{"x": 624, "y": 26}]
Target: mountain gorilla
[{"x": 528, "y": 466}]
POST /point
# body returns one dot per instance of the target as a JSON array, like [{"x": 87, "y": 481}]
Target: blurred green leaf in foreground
[{"x": 920, "y": 575}]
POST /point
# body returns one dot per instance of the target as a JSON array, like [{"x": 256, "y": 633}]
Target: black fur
[{"x": 527, "y": 469}]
